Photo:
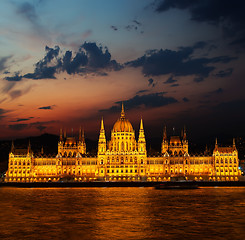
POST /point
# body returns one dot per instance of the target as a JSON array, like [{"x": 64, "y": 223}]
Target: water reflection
[{"x": 122, "y": 213}]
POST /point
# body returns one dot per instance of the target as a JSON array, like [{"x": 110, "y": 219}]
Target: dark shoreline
[{"x": 117, "y": 184}]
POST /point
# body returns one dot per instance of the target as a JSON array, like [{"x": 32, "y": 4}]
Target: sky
[{"x": 66, "y": 64}]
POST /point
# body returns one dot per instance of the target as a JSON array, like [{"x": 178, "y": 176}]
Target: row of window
[
  {"x": 226, "y": 161},
  {"x": 19, "y": 163},
  {"x": 121, "y": 171}
]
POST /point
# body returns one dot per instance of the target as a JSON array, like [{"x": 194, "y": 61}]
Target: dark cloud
[
  {"x": 42, "y": 68},
  {"x": 150, "y": 81},
  {"x": 28, "y": 11},
  {"x": 224, "y": 73},
  {"x": 225, "y": 13},
  {"x": 3, "y": 63},
  {"x": 18, "y": 127},
  {"x": 215, "y": 92},
  {"x": 177, "y": 63},
  {"x": 137, "y": 22},
  {"x": 14, "y": 78},
  {"x": 185, "y": 99},
  {"x": 22, "y": 119},
  {"x": 198, "y": 79},
  {"x": 134, "y": 26},
  {"x": 174, "y": 85},
  {"x": 41, "y": 127},
  {"x": 170, "y": 80},
  {"x": 89, "y": 59},
  {"x": 142, "y": 91},
  {"x": 8, "y": 87},
  {"x": 2, "y": 112},
  {"x": 15, "y": 94},
  {"x": 114, "y": 28},
  {"x": 46, "y": 108},
  {"x": 148, "y": 100}
]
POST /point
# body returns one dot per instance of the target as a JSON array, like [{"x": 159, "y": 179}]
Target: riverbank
[{"x": 115, "y": 184}]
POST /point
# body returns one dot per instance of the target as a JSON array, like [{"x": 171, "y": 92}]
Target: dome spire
[{"x": 122, "y": 112}]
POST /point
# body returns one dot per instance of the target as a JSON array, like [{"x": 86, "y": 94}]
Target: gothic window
[
  {"x": 142, "y": 162},
  {"x": 101, "y": 161},
  {"x": 11, "y": 162},
  {"x": 122, "y": 146},
  {"x": 121, "y": 160},
  {"x": 117, "y": 159}
]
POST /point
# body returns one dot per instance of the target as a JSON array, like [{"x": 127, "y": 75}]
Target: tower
[
  {"x": 164, "y": 141},
  {"x": 102, "y": 139},
  {"x": 141, "y": 140},
  {"x": 81, "y": 142},
  {"x": 184, "y": 141}
]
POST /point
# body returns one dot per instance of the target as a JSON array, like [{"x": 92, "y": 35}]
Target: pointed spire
[
  {"x": 216, "y": 142},
  {"x": 234, "y": 143},
  {"x": 184, "y": 134},
  {"x": 141, "y": 124},
  {"x": 12, "y": 146},
  {"x": 122, "y": 112},
  {"x": 102, "y": 124},
  {"x": 83, "y": 138},
  {"x": 29, "y": 146},
  {"x": 42, "y": 150},
  {"x": 141, "y": 132}
]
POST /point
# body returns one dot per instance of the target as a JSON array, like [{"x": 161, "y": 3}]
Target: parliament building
[{"x": 123, "y": 158}]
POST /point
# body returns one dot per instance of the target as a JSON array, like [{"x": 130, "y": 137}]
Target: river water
[{"x": 122, "y": 213}]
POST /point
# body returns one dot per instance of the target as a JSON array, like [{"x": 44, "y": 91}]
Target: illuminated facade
[{"x": 123, "y": 158}]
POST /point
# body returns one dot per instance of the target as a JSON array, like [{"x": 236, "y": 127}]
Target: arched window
[{"x": 122, "y": 146}]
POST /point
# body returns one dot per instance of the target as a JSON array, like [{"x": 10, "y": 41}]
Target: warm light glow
[{"x": 123, "y": 158}]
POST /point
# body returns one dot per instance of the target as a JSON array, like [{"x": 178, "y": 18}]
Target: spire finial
[
  {"x": 122, "y": 112},
  {"x": 102, "y": 124},
  {"x": 234, "y": 142},
  {"x": 29, "y": 146},
  {"x": 141, "y": 124},
  {"x": 184, "y": 133},
  {"x": 216, "y": 142}
]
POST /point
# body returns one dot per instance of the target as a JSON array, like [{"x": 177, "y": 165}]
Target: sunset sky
[{"x": 174, "y": 62}]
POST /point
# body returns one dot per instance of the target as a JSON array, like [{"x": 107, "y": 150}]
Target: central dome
[{"x": 122, "y": 124}]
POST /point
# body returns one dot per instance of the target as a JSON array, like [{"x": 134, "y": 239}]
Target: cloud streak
[{"x": 177, "y": 63}]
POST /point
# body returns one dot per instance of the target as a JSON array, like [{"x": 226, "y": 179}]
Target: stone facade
[{"x": 123, "y": 158}]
